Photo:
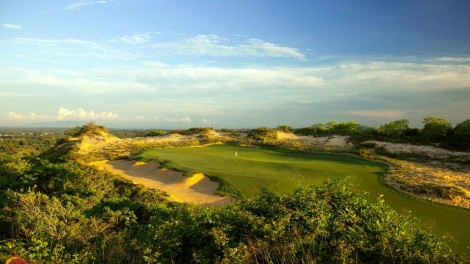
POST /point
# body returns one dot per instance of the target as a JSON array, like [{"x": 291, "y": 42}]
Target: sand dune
[{"x": 198, "y": 189}]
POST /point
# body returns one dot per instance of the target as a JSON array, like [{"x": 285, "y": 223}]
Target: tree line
[{"x": 435, "y": 130}]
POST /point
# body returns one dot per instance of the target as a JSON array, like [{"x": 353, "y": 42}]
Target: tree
[
  {"x": 460, "y": 136},
  {"x": 345, "y": 128},
  {"x": 395, "y": 129},
  {"x": 435, "y": 128},
  {"x": 313, "y": 130}
]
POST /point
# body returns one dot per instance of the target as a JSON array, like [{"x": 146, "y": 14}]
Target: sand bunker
[{"x": 198, "y": 189}]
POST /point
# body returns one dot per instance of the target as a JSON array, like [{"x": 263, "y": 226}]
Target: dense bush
[
  {"x": 263, "y": 134},
  {"x": 154, "y": 133},
  {"x": 459, "y": 137},
  {"x": 194, "y": 131},
  {"x": 324, "y": 224},
  {"x": 435, "y": 130}
]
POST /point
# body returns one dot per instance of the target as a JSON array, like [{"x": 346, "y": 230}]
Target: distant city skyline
[{"x": 233, "y": 64}]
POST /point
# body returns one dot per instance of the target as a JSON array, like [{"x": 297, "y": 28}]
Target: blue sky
[{"x": 234, "y": 64}]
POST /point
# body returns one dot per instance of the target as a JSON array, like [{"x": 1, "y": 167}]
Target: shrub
[
  {"x": 329, "y": 223},
  {"x": 263, "y": 134}
]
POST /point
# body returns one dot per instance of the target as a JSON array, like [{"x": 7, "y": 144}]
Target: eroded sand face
[
  {"x": 433, "y": 152},
  {"x": 198, "y": 189}
]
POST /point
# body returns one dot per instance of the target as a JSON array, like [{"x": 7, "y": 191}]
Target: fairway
[{"x": 248, "y": 169}]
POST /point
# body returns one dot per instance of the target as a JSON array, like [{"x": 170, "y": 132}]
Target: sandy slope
[
  {"x": 198, "y": 189},
  {"x": 430, "y": 151},
  {"x": 330, "y": 143}
]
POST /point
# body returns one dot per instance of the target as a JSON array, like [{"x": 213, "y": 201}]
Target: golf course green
[{"x": 247, "y": 169}]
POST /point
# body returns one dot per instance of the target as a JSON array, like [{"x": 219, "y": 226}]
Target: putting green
[{"x": 248, "y": 169}]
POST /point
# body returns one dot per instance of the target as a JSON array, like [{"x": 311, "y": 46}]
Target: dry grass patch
[{"x": 441, "y": 182}]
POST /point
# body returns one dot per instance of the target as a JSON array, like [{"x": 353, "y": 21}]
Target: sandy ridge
[{"x": 430, "y": 151}]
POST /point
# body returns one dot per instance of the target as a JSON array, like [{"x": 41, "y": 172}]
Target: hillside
[{"x": 427, "y": 172}]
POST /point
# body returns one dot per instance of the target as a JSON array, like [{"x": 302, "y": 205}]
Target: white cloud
[
  {"x": 53, "y": 50},
  {"x": 12, "y": 26},
  {"x": 80, "y": 4},
  {"x": 259, "y": 48},
  {"x": 140, "y": 118},
  {"x": 454, "y": 59},
  {"x": 64, "y": 114},
  {"x": 208, "y": 122},
  {"x": 66, "y": 50},
  {"x": 30, "y": 117},
  {"x": 216, "y": 46},
  {"x": 82, "y": 114},
  {"x": 398, "y": 76},
  {"x": 186, "y": 119},
  {"x": 133, "y": 39},
  {"x": 371, "y": 90},
  {"x": 14, "y": 116}
]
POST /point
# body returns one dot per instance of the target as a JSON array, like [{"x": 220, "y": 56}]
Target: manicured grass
[{"x": 254, "y": 168}]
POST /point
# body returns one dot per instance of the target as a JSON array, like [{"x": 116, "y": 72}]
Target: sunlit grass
[{"x": 248, "y": 169}]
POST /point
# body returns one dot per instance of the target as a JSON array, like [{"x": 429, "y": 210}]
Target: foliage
[
  {"x": 49, "y": 211},
  {"x": 314, "y": 130},
  {"x": 324, "y": 224},
  {"x": 155, "y": 133},
  {"x": 460, "y": 136},
  {"x": 395, "y": 129},
  {"x": 343, "y": 128},
  {"x": 435, "y": 128},
  {"x": 331, "y": 128},
  {"x": 90, "y": 128},
  {"x": 263, "y": 134},
  {"x": 194, "y": 131},
  {"x": 285, "y": 128}
]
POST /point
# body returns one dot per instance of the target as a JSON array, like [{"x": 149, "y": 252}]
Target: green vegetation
[
  {"x": 395, "y": 129},
  {"x": 249, "y": 169},
  {"x": 324, "y": 224},
  {"x": 263, "y": 134},
  {"x": 283, "y": 170},
  {"x": 435, "y": 128},
  {"x": 90, "y": 129},
  {"x": 332, "y": 128},
  {"x": 55, "y": 210},
  {"x": 155, "y": 133},
  {"x": 76, "y": 214},
  {"x": 460, "y": 136},
  {"x": 194, "y": 131}
]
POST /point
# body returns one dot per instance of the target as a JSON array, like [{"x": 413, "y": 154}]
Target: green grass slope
[
  {"x": 248, "y": 169},
  {"x": 253, "y": 168}
]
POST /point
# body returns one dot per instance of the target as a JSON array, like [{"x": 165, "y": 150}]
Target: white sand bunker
[{"x": 198, "y": 189}]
